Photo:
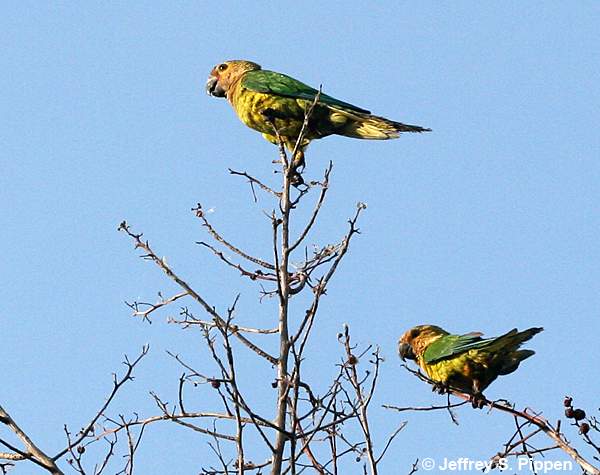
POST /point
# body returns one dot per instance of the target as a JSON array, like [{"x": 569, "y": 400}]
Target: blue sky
[{"x": 489, "y": 222}]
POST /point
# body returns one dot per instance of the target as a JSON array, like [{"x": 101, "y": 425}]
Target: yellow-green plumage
[
  {"x": 289, "y": 113},
  {"x": 468, "y": 362},
  {"x": 266, "y": 100}
]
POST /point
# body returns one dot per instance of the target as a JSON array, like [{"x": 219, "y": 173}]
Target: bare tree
[
  {"x": 311, "y": 425},
  {"x": 305, "y": 430}
]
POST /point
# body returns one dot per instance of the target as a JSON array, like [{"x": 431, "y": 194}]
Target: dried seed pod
[
  {"x": 579, "y": 414},
  {"x": 584, "y": 428},
  {"x": 568, "y": 401}
]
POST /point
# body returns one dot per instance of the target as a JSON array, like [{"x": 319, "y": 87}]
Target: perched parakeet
[
  {"x": 467, "y": 363},
  {"x": 266, "y": 99}
]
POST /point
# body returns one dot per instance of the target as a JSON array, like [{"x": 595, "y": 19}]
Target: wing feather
[
  {"x": 279, "y": 84},
  {"x": 452, "y": 345}
]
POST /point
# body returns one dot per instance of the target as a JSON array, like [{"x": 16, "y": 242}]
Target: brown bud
[
  {"x": 215, "y": 384},
  {"x": 274, "y": 384},
  {"x": 579, "y": 414},
  {"x": 352, "y": 360},
  {"x": 80, "y": 449},
  {"x": 569, "y": 412},
  {"x": 584, "y": 428},
  {"x": 568, "y": 401}
]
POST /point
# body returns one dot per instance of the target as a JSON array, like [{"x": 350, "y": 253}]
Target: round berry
[{"x": 584, "y": 428}]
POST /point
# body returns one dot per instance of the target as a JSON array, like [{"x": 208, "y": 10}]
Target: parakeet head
[
  {"x": 225, "y": 74},
  {"x": 414, "y": 342}
]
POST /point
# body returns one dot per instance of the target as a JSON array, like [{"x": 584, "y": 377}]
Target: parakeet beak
[
  {"x": 406, "y": 352},
  {"x": 213, "y": 88}
]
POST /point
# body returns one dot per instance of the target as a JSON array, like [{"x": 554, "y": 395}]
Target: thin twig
[
  {"x": 261, "y": 185},
  {"x": 161, "y": 263},
  {"x": 315, "y": 213},
  {"x": 258, "y": 274},
  {"x": 152, "y": 307},
  {"x": 200, "y": 214},
  {"x": 117, "y": 384}
]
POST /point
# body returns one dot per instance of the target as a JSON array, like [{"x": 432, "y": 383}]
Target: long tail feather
[
  {"x": 507, "y": 347},
  {"x": 370, "y": 127}
]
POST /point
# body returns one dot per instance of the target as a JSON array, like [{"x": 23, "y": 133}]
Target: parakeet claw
[
  {"x": 297, "y": 169},
  {"x": 478, "y": 401},
  {"x": 440, "y": 388},
  {"x": 296, "y": 179},
  {"x": 298, "y": 161}
]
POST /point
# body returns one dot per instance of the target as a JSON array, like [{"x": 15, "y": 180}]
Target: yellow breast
[{"x": 250, "y": 107}]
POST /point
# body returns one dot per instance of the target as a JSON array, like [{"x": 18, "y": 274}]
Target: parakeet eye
[{"x": 222, "y": 67}]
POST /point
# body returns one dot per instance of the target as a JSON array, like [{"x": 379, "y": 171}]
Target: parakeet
[
  {"x": 467, "y": 363},
  {"x": 266, "y": 99}
]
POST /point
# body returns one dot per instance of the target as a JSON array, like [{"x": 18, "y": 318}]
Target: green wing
[
  {"x": 452, "y": 345},
  {"x": 271, "y": 82}
]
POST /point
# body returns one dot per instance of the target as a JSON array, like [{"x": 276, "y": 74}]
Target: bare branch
[
  {"x": 390, "y": 440},
  {"x": 117, "y": 384},
  {"x": 258, "y": 274},
  {"x": 426, "y": 408},
  {"x": 234, "y": 328},
  {"x": 149, "y": 307},
  {"x": 313, "y": 218},
  {"x": 253, "y": 180},
  {"x": 33, "y": 452},
  {"x": 363, "y": 403},
  {"x": 532, "y": 419},
  {"x": 200, "y": 214},
  {"x": 161, "y": 263}
]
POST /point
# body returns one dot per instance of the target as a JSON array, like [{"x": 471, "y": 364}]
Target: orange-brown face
[
  {"x": 415, "y": 341},
  {"x": 225, "y": 74}
]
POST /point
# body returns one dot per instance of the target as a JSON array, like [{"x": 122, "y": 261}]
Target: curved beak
[
  {"x": 406, "y": 352},
  {"x": 213, "y": 88}
]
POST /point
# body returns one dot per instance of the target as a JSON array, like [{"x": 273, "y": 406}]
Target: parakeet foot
[
  {"x": 439, "y": 388},
  {"x": 478, "y": 401},
  {"x": 297, "y": 165},
  {"x": 298, "y": 162},
  {"x": 296, "y": 179}
]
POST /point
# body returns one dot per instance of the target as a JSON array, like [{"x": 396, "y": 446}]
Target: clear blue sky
[{"x": 489, "y": 222}]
